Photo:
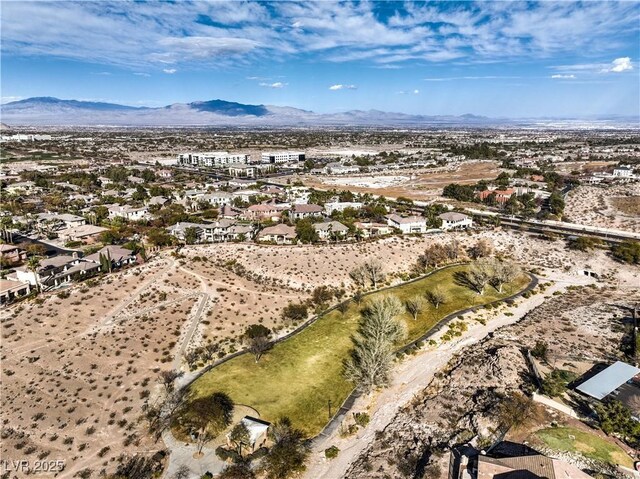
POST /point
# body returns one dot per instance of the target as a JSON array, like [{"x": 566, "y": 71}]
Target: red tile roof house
[
  {"x": 501, "y": 195},
  {"x": 279, "y": 234},
  {"x": 300, "y": 211}
]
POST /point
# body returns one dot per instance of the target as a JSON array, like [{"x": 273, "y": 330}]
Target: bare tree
[
  {"x": 432, "y": 257},
  {"x": 481, "y": 249},
  {"x": 375, "y": 271},
  {"x": 168, "y": 379},
  {"x": 183, "y": 472},
  {"x": 159, "y": 416},
  {"x": 479, "y": 274},
  {"x": 379, "y": 320},
  {"x": 453, "y": 250},
  {"x": 504, "y": 272},
  {"x": 257, "y": 339},
  {"x": 437, "y": 296},
  {"x": 414, "y": 306},
  {"x": 359, "y": 276}
]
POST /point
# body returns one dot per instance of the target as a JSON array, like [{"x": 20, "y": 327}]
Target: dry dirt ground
[
  {"x": 462, "y": 402},
  {"x": 605, "y": 206},
  {"x": 77, "y": 370},
  {"x": 421, "y": 185}
]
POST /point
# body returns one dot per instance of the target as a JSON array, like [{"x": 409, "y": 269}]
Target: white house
[
  {"x": 457, "y": 221},
  {"x": 409, "y": 224},
  {"x": 623, "y": 172},
  {"x": 341, "y": 206},
  {"x": 331, "y": 230},
  {"x": 128, "y": 212},
  {"x": 300, "y": 211}
]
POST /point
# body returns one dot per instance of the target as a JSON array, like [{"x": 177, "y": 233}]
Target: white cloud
[
  {"x": 339, "y": 86},
  {"x": 485, "y": 77},
  {"x": 620, "y": 65},
  {"x": 563, "y": 77},
  {"x": 9, "y": 99},
  {"x": 169, "y": 71},
  {"x": 416, "y": 92},
  {"x": 141, "y": 74},
  {"x": 277, "y": 84},
  {"x": 140, "y": 35}
]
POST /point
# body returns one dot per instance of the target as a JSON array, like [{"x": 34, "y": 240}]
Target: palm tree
[{"x": 33, "y": 264}]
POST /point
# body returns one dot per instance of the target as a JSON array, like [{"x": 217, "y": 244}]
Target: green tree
[
  {"x": 288, "y": 453},
  {"x": 191, "y": 235},
  {"x": 240, "y": 437},
  {"x": 33, "y": 265},
  {"x": 306, "y": 232},
  {"x": 206, "y": 417},
  {"x": 627, "y": 252},
  {"x": 556, "y": 203}
]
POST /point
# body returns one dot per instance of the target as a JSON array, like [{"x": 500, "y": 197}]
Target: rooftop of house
[
  {"x": 279, "y": 229},
  {"x": 453, "y": 216},
  {"x": 405, "y": 220},
  {"x": 331, "y": 225},
  {"x": 116, "y": 253},
  {"x": 307, "y": 208}
]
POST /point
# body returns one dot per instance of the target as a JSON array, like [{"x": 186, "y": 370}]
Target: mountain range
[{"x": 49, "y": 111}]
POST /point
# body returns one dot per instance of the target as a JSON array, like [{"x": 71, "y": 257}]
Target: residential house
[
  {"x": 12, "y": 254},
  {"x": 10, "y": 290},
  {"x": 157, "y": 201},
  {"x": 300, "y": 211},
  {"x": 509, "y": 460},
  {"x": 64, "y": 220},
  {"x": 229, "y": 212},
  {"x": 369, "y": 230},
  {"x": 24, "y": 187},
  {"x": 502, "y": 196},
  {"x": 623, "y": 172},
  {"x": 165, "y": 174},
  {"x": 135, "y": 180},
  {"x": 81, "y": 233},
  {"x": 455, "y": 221},
  {"x": 263, "y": 211},
  {"x": 279, "y": 234},
  {"x": 119, "y": 256},
  {"x": 409, "y": 224},
  {"x": 179, "y": 230},
  {"x": 128, "y": 212},
  {"x": 341, "y": 206},
  {"x": 331, "y": 230},
  {"x": 225, "y": 230},
  {"x": 56, "y": 270},
  {"x": 246, "y": 195},
  {"x": 217, "y": 198}
]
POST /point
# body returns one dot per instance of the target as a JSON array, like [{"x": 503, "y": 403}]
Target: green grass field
[
  {"x": 298, "y": 377},
  {"x": 569, "y": 439}
]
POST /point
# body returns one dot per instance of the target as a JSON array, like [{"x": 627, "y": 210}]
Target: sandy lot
[
  {"x": 424, "y": 184},
  {"x": 610, "y": 207}
]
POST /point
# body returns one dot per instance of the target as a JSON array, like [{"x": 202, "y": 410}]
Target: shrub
[
  {"x": 331, "y": 452},
  {"x": 361, "y": 418}
]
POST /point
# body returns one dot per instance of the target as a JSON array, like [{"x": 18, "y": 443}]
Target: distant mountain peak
[{"x": 229, "y": 108}]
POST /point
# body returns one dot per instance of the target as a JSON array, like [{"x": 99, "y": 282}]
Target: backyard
[
  {"x": 569, "y": 439},
  {"x": 302, "y": 377}
]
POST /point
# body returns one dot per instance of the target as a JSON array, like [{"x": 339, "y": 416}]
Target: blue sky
[{"x": 513, "y": 59}]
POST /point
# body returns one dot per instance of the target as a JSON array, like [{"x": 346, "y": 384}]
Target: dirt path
[{"x": 410, "y": 377}]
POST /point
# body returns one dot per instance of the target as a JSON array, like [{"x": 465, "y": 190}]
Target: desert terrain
[
  {"x": 95, "y": 350},
  {"x": 421, "y": 184},
  {"x": 609, "y": 207}
]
